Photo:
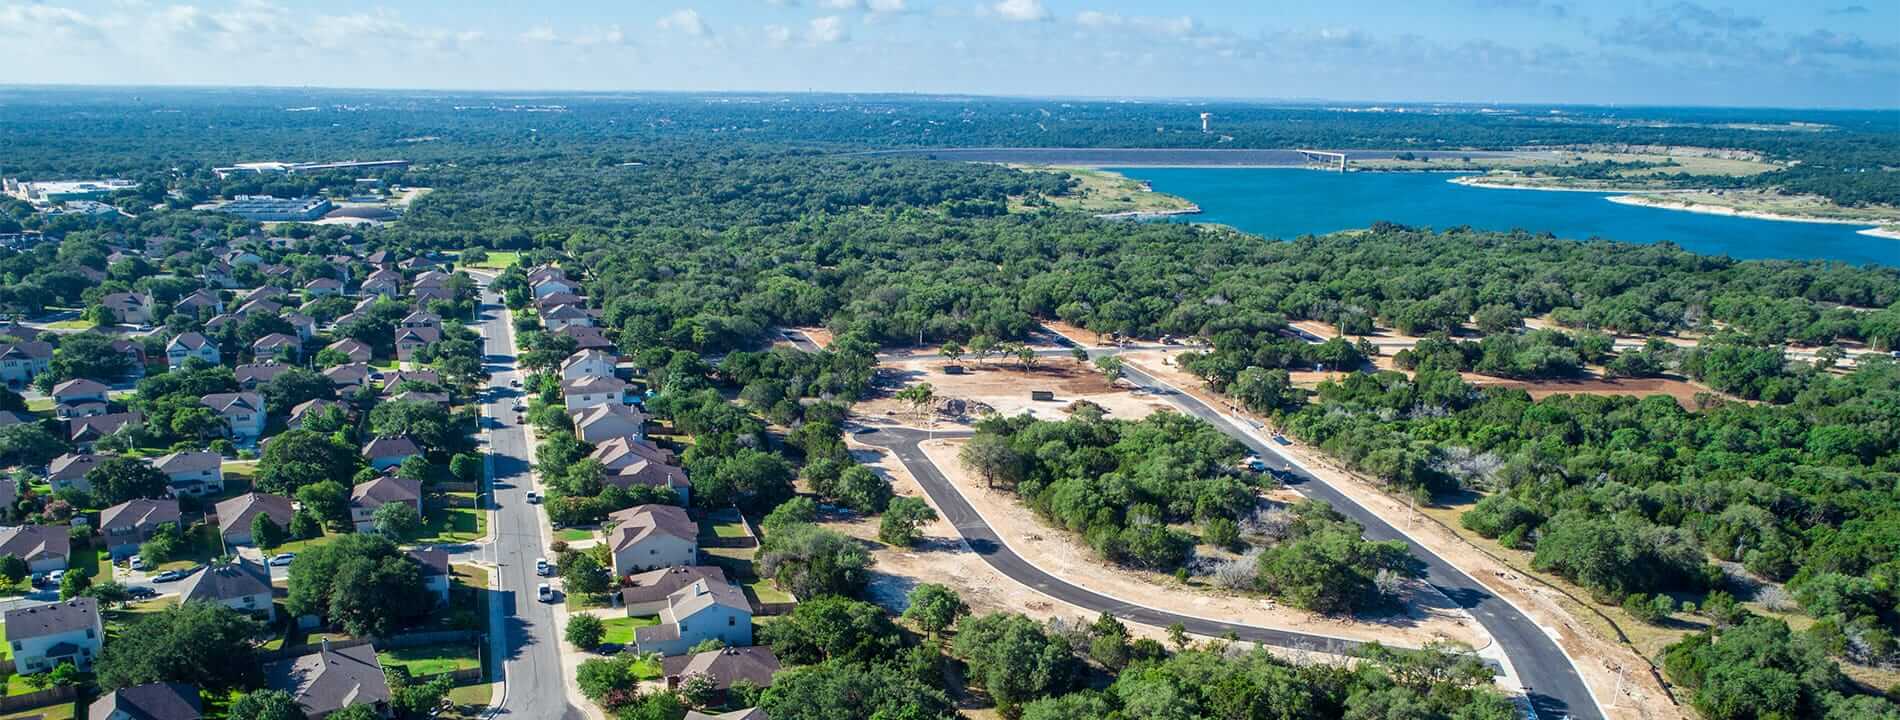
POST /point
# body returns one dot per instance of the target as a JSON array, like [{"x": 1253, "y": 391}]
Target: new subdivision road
[{"x": 522, "y": 627}]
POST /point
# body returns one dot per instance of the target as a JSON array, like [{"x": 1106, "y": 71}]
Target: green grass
[
  {"x": 117, "y": 620},
  {"x": 581, "y": 601},
  {"x": 469, "y": 701},
  {"x": 70, "y": 325},
  {"x": 6, "y": 648},
  {"x": 202, "y": 543},
  {"x": 302, "y": 545},
  {"x": 40, "y": 405},
  {"x": 61, "y": 711},
  {"x": 498, "y": 260},
  {"x": 453, "y": 525},
  {"x": 87, "y": 561},
  {"x": 17, "y": 685},
  {"x": 620, "y": 630},
  {"x": 433, "y": 659},
  {"x": 573, "y": 534},
  {"x": 766, "y": 591},
  {"x": 647, "y": 667},
  {"x": 469, "y": 584}
]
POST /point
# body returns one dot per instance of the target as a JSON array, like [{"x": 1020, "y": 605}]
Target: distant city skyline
[{"x": 1616, "y": 52}]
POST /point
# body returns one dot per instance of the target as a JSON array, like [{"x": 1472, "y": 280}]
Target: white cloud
[
  {"x": 826, "y": 30},
  {"x": 886, "y": 6},
  {"x": 61, "y": 23},
  {"x": 1096, "y": 19},
  {"x": 778, "y": 35},
  {"x": 1020, "y": 10},
  {"x": 685, "y": 20},
  {"x": 841, "y": 4}
]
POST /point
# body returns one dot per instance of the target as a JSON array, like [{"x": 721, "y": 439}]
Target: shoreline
[
  {"x": 1889, "y": 233},
  {"x": 1477, "y": 181},
  {"x": 1706, "y": 209},
  {"x": 1149, "y": 214}
]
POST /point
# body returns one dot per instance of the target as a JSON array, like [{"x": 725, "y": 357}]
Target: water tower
[{"x": 1206, "y": 122}]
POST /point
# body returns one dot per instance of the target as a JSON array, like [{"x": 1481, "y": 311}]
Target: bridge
[{"x": 1333, "y": 160}]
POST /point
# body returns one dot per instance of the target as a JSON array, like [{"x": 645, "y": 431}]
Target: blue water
[{"x": 1289, "y": 202}]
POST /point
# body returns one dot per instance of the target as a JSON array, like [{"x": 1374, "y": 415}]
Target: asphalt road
[{"x": 525, "y": 636}]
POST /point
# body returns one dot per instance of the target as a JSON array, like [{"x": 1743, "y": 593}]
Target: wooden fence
[{"x": 15, "y": 703}]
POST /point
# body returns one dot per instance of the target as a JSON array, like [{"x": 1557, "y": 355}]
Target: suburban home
[
  {"x": 220, "y": 274},
  {"x": 356, "y": 350},
  {"x": 129, "y": 308},
  {"x": 252, "y": 375},
  {"x": 44, "y": 636},
  {"x": 550, "y": 284},
  {"x": 545, "y": 302},
  {"x": 724, "y": 667},
  {"x": 347, "y": 377},
  {"x": 396, "y": 378},
  {"x": 409, "y": 340},
  {"x": 624, "y": 451},
  {"x": 242, "y": 585},
  {"x": 243, "y": 413},
  {"x": 563, "y": 316},
  {"x": 277, "y": 345},
  {"x": 78, "y": 391},
  {"x": 600, "y": 423},
  {"x": 237, "y": 515},
  {"x": 704, "y": 610},
  {"x": 45, "y": 548},
  {"x": 593, "y": 390},
  {"x": 20, "y": 362},
  {"x": 384, "y": 453},
  {"x": 433, "y": 398},
  {"x": 586, "y": 337},
  {"x": 217, "y": 323},
  {"x": 84, "y": 431},
  {"x": 435, "y": 571},
  {"x": 645, "y": 593},
  {"x": 431, "y": 278},
  {"x": 331, "y": 679},
  {"x": 258, "y": 306},
  {"x": 430, "y": 293},
  {"x": 647, "y": 537},
  {"x": 587, "y": 363},
  {"x": 134, "y": 352},
  {"x": 190, "y": 345},
  {"x": 422, "y": 319},
  {"x": 69, "y": 471},
  {"x": 310, "y": 408},
  {"x": 132, "y": 522},
  {"x": 385, "y": 489},
  {"x": 153, "y": 701},
  {"x": 80, "y": 410},
  {"x": 322, "y": 287},
  {"x": 198, "y": 302},
  {"x": 651, "y": 474},
  {"x": 241, "y": 257},
  {"x": 387, "y": 283},
  {"x": 266, "y": 292},
  {"x": 305, "y": 325},
  {"x": 192, "y": 473}
]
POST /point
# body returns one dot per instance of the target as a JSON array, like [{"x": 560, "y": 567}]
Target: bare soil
[{"x": 1005, "y": 387}]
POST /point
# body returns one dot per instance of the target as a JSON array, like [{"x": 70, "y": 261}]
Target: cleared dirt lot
[{"x": 1005, "y": 387}]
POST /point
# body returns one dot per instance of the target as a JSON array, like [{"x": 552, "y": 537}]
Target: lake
[{"x": 1289, "y": 202}]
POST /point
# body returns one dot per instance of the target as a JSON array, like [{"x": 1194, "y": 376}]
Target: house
[
  {"x": 134, "y": 353},
  {"x": 68, "y": 471},
  {"x": 132, "y": 522},
  {"x": 44, "y": 636},
  {"x": 345, "y": 377},
  {"x": 45, "y": 548},
  {"x": 425, "y": 295},
  {"x": 586, "y": 337},
  {"x": 387, "y": 283},
  {"x": 266, "y": 292},
  {"x": 411, "y": 339},
  {"x": 79, "y": 390},
  {"x": 258, "y": 306},
  {"x": 129, "y": 308},
  {"x": 9, "y": 418},
  {"x": 385, "y": 489},
  {"x": 431, "y": 279},
  {"x": 422, "y": 319},
  {"x": 396, "y": 379},
  {"x": 563, "y": 316},
  {"x": 331, "y": 679},
  {"x": 651, "y": 474},
  {"x": 549, "y": 284},
  {"x": 435, "y": 571},
  {"x": 84, "y": 431},
  {"x": 544, "y": 303},
  {"x": 152, "y": 701},
  {"x": 236, "y": 515},
  {"x": 322, "y": 287},
  {"x": 20, "y": 362},
  {"x": 705, "y": 610},
  {"x": 217, "y": 323},
  {"x": 80, "y": 410},
  {"x": 190, "y": 345},
  {"x": 310, "y": 408},
  {"x": 220, "y": 274},
  {"x": 242, "y": 585},
  {"x": 432, "y": 398},
  {"x": 356, "y": 350},
  {"x": 724, "y": 667},
  {"x": 243, "y": 413},
  {"x": 192, "y": 473},
  {"x": 198, "y": 303},
  {"x": 622, "y": 452},
  {"x": 600, "y": 423},
  {"x": 593, "y": 390},
  {"x": 587, "y": 363},
  {"x": 305, "y": 325},
  {"x": 384, "y": 453},
  {"x": 646, "y": 537},
  {"x": 645, "y": 593},
  {"x": 252, "y": 375},
  {"x": 277, "y": 345}
]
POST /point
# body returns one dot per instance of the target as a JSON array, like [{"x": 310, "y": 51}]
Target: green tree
[
  {"x": 266, "y": 534},
  {"x": 297, "y": 458},
  {"x": 848, "y": 691},
  {"x": 585, "y": 631},
  {"x": 266, "y": 705},
  {"x": 396, "y": 520},
  {"x": 1015, "y": 660},
  {"x": 13, "y": 569},
  {"x": 832, "y": 628},
  {"x": 809, "y": 561},
  {"x": 74, "y": 584},
  {"x": 118, "y": 479},
  {"x": 327, "y": 501},
  {"x": 206, "y": 645},
  {"x": 362, "y": 583},
  {"x": 934, "y": 607},
  {"x": 582, "y": 574},
  {"x": 902, "y": 520}
]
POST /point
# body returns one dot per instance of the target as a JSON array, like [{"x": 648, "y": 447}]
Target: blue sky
[{"x": 1843, "y": 53}]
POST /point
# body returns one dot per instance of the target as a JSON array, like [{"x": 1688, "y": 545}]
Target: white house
[
  {"x": 564, "y": 316},
  {"x": 129, "y": 308},
  {"x": 242, "y": 585},
  {"x": 79, "y": 391},
  {"x": 648, "y": 537},
  {"x": 190, "y": 345},
  {"x": 128, "y": 524},
  {"x": 587, "y": 363},
  {"x": 600, "y": 423},
  {"x": 243, "y": 413},
  {"x": 192, "y": 473},
  {"x": 44, "y": 636},
  {"x": 593, "y": 390},
  {"x": 20, "y": 362},
  {"x": 707, "y": 609},
  {"x": 551, "y": 285}
]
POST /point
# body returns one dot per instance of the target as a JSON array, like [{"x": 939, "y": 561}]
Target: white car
[
  {"x": 542, "y": 568},
  {"x": 53, "y": 578},
  {"x": 138, "y": 563},
  {"x": 545, "y": 592},
  {"x": 282, "y": 559},
  {"x": 534, "y": 497}
]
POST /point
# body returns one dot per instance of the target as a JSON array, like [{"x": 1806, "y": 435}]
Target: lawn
[
  {"x": 17, "y": 685},
  {"x": 70, "y": 325},
  {"x": 470, "y": 586},
  {"x": 573, "y": 534},
  {"x": 6, "y": 648},
  {"x": 433, "y": 659},
  {"x": 40, "y": 405},
  {"x": 498, "y": 260},
  {"x": 581, "y": 601},
  {"x": 453, "y": 524},
  {"x": 647, "y": 667},
  {"x": 117, "y": 620},
  {"x": 61, "y": 711},
  {"x": 302, "y": 545},
  {"x": 766, "y": 591},
  {"x": 620, "y": 629},
  {"x": 202, "y": 543},
  {"x": 87, "y": 561},
  {"x": 470, "y": 701}
]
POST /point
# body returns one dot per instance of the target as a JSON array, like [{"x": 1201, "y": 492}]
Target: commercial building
[
  {"x": 48, "y": 192},
  {"x": 289, "y": 168},
  {"x": 264, "y": 208}
]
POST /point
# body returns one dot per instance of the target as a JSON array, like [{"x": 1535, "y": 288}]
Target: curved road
[{"x": 1552, "y": 684}]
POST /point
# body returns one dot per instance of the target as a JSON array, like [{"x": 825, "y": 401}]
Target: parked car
[
  {"x": 542, "y": 568},
  {"x": 141, "y": 593},
  {"x": 138, "y": 563},
  {"x": 282, "y": 559},
  {"x": 170, "y": 576},
  {"x": 545, "y": 592},
  {"x": 53, "y": 578},
  {"x": 514, "y": 383},
  {"x": 534, "y": 497}
]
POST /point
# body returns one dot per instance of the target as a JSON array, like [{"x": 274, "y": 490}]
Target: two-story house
[
  {"x": 307, "y": 409},
  {"x": 236, "y": 516},
  {"x": 331, "y": 679},
  {"x": 151, "y": 701},
  {"x": 385, "y": 489},
  {"x": 242, "y": 585},
  {"x": 78, "y": 391},
  {"x": 68, "y": 471},
  {"x": 199, "y": 303},
  {"x": 322, "y": 287},
  {"x": 356, "y": 350},
  {"x": 129, "y": 308},
  {"x": 593, "y": 390},
  {"x": 645, "y": 593},
  {"x": 45, "y": 548},
  {"x": 587, "y": 363},
  {"x": 648, "y": 537},
  {"x": 277, "y": 346},
  {"x": 384, "y": 453},
  {"x": 84, "y": 431},
  {"x": 723, "y": 668},
  {"x": 243, "y": 413},
  {"x": 600, "y": 423},
  {"x": 130, "y": 523},
  {"x": 411, "y": 339},
  {"x": 190, "y": 345},
  {"x": 251, "y": 376},
  {"x": 44, "y": 636},
  {"x": 192, "y": 473},
  {"x": 705, "y": 610},
  {"x": 434, "y": 562},
  {"x": 20, "y": 362},
  {"x": 566, "y": 316},
  {"x": 349, "y": 377}
]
